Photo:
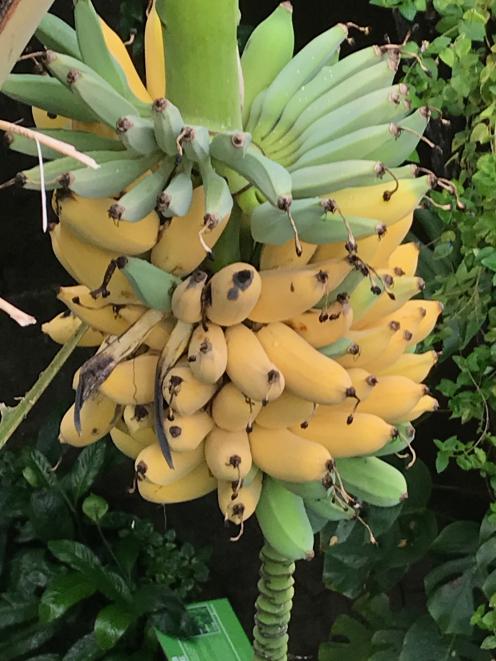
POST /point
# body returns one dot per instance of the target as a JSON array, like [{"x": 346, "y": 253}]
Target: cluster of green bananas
[{"x": 249, "y": 291}]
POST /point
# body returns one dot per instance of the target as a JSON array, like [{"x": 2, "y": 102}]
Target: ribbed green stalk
[
  {"x": 273, "y": 606},
  {"x": 201, "y": 54}
]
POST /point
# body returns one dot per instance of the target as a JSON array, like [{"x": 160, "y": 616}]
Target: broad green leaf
[
  {"x": 49, "y": 515},
  {"x": 13, "y": 611},
  {"x": 458, "y": 538},
  {"x": 452, "y": 605},
  {"x": 62, "y": 593},
  {"x": 27, "y": 639},
  {"x": 423, "y": 640},
  {"x": 85, "y": 648},
  {"x": 85, "y": 470},
  {"x": 111, "y": 624}
]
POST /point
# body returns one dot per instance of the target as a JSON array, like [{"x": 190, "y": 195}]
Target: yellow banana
[
  {"x": 98, "y": 414},
  {"x": 154, "y": 54},
  {"x": 81, "y": 295},
  {"x": 404, "y": 259},
  {"x": 88, "y": 265},
  {"x": 249, "y": 367},
  {"x": 289, "y": 292},
  {"x": 183, "y": 392},
  {"x": 232, "y": 410},
  {"x": 118, "y": 49},
  {"x": 369, "y": 202},
  {"x": 150, "y": 464},
  {"x": 363, "y": 383},
  {"x": 366, "y": 434},
  {"x": 308, "y": 373},
  {"x": 228, "y": 455},
  {"x": 392, "y": 397},
  {"x": 426, "y": 404},
  {"x": 288, "y": 456},
  {"x": 181, "y": 244},
  {"x": 371, "y": 342},
  {"x": 397, "y": 346},
  {"x": 207, "y": 353},
  {"x": 430, "y": 312},
  {"x": 62, "y": 327},
  {"x": 195, "y": 484},
  {"x": 126, "y": 443},
  {"x": 233, "y": 292},
  {"x": 131, "y": 382},
  {"x": 137, "y": 417},
  {"x": 42, "y": 120},
  {"x": 187, "y": 298},
  {"x": 89, "y": 220},
  {"x": 366, "y": 248},
  {"x": 322, "y": 327},
  {"x": 415, "y": 366},
  {"x": 185, "y": 433},
  {"x": 391, "y": 240},
  {"x": 238, "y": 504},
  {"x": 272, "y": 257},
  {"x": 285, "y": 411}
]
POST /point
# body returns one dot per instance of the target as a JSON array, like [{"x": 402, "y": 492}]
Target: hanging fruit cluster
[{"x": 248, "y": 290}]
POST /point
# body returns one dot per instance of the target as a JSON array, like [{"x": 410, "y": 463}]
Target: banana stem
[
  {"x": 201, "y": 55},
  {"x": 12, "y": 417},
  {"x": 273, "y": 606}
]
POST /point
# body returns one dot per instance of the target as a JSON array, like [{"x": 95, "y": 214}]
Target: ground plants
[{"x": 79, "y": 578}]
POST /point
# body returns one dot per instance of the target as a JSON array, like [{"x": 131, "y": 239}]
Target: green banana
[
  {"x": 384, "y": 105},
  {"x": 175, "y": 199},
  {"x": 218, "y": 198},
  {"x": 268, "y": 49},
  {"x": 47, "y": 93},
  {"x": 168, "y": 125},
  {"x": 196, "y": 143},
  {"x": 314, "y": 224},
  {"x": 389, "y": 143},
  {"x": 137, "y": 134},
  {"x": 142, "y": 198},
  {"x": 363, "y": 300},
  {"x": 316, "y": 521},
  {"x": 235, "y": 151},
  {"x": 300, "y": 69},
  {"x": 107, "y": 104},
  {"x": 152, "y": 285},
  {"x": 328, "y": 509},
  {"x": 110, "y": 179},
  {"x": 81, "y": 140},
  {"x": 340, "y": 348},
  {"x": 320, "y": 179},
  {"x": 372, "y": 480},
  {"x": 325, "y": 79},
  {"x": 363, "y": 82},
  {"x": 406, "y": 435},
  {"x": 268, "y": 606},
  {"x": 56, "y": 34},
  {"x": 54, "y": 171},
  {"x": 315, "y": 489},
  {"x": 284, "y": 522},
  {"x": 256, "y": 109}
]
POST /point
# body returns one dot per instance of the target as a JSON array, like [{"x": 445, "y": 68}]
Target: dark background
[{"x": 29, "y": 274}]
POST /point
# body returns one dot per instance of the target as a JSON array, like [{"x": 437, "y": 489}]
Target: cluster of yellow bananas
[{"x": 280, "y": 380}]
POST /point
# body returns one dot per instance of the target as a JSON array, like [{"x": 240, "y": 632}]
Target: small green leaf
[
  {"x": 86, "y": 468},
  {"x": 62, "y": 593},
  {"x": 111, "y": 624},
  {"x": 85, "y": 648},
  {"x": 95, "y": 507}
]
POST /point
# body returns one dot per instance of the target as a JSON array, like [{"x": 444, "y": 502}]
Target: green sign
[{"x": 221, "y": 636}]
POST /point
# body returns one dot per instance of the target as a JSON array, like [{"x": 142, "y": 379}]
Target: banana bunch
[{"x": 255, "y": 309}]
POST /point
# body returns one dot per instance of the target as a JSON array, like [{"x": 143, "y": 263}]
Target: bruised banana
[
  {"x": 249, "y": 367},
  {"x": 187, "y": 298},
  {"x": 207, "y": 353},
  {"x": 232, "y": 410},
  {"x": 232, "y": 294}
]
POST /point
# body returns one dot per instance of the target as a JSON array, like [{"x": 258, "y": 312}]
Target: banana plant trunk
[{"x": 204, "y": 81}]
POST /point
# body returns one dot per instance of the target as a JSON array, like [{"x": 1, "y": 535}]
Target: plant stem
[
  {"x": 201, "y": 54},
  {"x": 273, "y": 606},
  {"x": 12, "y": 417}
]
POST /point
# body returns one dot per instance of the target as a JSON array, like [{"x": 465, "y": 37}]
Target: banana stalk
[
  {"x": 201, "y": 54},
  {"x": 273, "y": 606}
]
